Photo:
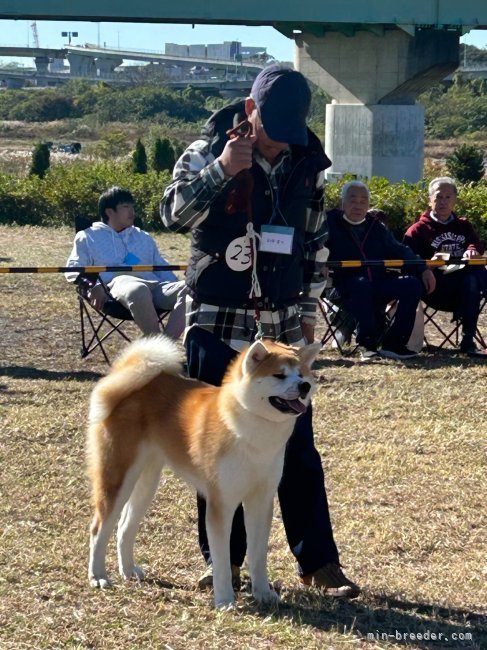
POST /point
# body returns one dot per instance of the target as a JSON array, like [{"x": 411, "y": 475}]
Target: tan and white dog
[{"x": 228, "y": 442}]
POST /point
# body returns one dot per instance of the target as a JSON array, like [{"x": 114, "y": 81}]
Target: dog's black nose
[{"x": 304, "y": 388}]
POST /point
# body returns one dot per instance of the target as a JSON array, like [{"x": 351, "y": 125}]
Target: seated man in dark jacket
[{"x": 356, "y": 234}]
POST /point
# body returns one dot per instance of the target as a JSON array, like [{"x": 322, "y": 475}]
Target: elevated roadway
[
  {"x": 91, "y": 61},
  {"x": 17, "y": 78},
  {"x": 93, "y": 52}
]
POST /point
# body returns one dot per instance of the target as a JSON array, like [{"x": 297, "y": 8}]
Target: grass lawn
[{"x": 403, "y": 447}]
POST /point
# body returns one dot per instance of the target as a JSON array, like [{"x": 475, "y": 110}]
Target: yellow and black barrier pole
[
  {"x": 93, "y": 269},
  {"x": 140, "y": 268}
]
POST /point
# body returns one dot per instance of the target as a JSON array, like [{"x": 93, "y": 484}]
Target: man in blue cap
[{"x": 251, "y": 192}]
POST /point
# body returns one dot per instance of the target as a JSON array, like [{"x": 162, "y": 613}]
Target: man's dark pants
[
  {"x": 365, "y": 299},
  {"x": 301, "y": 492},
  {"x": 460, "y": 292}
]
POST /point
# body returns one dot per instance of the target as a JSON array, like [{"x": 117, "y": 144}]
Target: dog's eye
[{"x": 280, "y": 376}]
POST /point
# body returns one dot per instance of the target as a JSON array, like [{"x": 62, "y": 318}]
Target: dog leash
[{"x": 246, "y": 181}]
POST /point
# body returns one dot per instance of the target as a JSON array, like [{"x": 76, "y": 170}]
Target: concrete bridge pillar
[
  {"x": 373, "y": 126},
  {"x": 81, "y": 65},
  {"x": 105, "y": 66},
  {"x": 42, "y": 67},
  {"x": 42, "y": 64}
]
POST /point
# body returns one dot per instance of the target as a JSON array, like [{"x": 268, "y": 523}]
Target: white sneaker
[{"x": 367, "y": 355}]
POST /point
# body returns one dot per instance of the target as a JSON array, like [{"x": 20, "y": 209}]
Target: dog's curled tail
[{"x": 143, "y": 360}]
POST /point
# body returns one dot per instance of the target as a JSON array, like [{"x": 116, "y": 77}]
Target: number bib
[{"x": 238, "y": 255}]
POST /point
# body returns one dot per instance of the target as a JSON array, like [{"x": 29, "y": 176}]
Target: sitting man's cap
[{"x": 283, "y": 98}]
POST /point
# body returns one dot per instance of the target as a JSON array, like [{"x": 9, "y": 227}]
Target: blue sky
[
  {"x": 154, "y": 36},
  {"x": 145, "y": 36}
]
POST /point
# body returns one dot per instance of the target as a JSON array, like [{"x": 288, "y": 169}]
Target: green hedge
[
  {"x": 404, "y": 202},
  {"x": 72, "y": 189},
  {"x": 68, "y": 190}
]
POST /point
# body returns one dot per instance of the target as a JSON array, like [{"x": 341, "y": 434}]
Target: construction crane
[{"x": 35, "y": 34}]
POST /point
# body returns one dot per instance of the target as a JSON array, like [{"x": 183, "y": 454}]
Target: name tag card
[{"x": 276, "y": 239}]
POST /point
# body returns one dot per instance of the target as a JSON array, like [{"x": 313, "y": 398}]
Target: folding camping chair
[
  {"x": 447, "y": 334},
  {"x": 340, "y": 325},
  {"x": 98, "y": 325}
]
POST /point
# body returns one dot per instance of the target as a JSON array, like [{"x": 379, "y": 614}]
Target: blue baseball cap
[{"x": 282, "y": 97}]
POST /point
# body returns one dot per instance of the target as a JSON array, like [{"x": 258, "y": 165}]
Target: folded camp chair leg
[
  {"x": 478, "y": 335},
  {"x": 97, "y": 340},
  {"x": 332, "y": 327},
  {"x": 87, "y": 347},
  {"x": 451, "y": 337}
]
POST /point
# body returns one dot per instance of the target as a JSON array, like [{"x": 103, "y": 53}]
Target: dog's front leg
[
  {"x": 258, "y": 518},
  {"x": 218, "y": 527}
]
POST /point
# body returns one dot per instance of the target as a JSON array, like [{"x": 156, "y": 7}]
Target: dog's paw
[
  {"x": 225, "y": 606},
  {"x": 135, "y": 573},
  {"x": 100, "y": 583},
  {"x": 225, "y": 602},
  {"x": 265, "y": 596}
]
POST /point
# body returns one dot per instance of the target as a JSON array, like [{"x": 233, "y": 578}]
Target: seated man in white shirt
[{"x": 115, "y": 241}]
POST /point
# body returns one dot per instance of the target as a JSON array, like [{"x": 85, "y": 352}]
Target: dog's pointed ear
[
  {"x": 308, "y": 354},
  {"x": 255, "y": 355}
]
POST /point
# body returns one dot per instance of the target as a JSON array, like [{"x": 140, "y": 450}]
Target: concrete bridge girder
[
  {"x": 373, "y": 127},
  {"x": 366, "y": 68}
]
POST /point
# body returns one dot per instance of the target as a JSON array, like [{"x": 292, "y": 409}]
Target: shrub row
[
  {"x": 74, "y": 188},
  {"x": 70, "y": 189},
  {"x": 404, "y": 202}
]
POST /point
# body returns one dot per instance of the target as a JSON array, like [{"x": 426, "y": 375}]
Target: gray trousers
[{"x": 143, "y": 297}]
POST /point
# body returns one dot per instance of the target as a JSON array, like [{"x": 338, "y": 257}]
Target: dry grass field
[{"x": 403, "y": 446}]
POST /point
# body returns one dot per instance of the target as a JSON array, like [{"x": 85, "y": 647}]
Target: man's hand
[
  {"x": 429, "y": 280},
  {"x": 469, "y": 253},
  {"x": 237, "y": 155},
  {"x": 97, "y": 296}
]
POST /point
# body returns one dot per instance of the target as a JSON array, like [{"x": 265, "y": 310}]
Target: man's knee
[
  {"x": 411, "y": 286},
  {"x": 138, "y": 294},
  {"x": 168, "y": 294},
  {"x": 357, "y": 290},
  {"x": 359, "y": 283},
  {"x": 472, "y": 283}
]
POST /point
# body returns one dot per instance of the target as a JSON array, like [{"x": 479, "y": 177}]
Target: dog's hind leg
[
  {"x": 218, "y": 526},
  {"x": 258, "y": 518},
  {"x": 132, "y": 514},
  {"x": 110, "y": 494}
]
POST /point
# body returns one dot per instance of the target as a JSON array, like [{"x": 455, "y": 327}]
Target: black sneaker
[
  {"x": 468, "y": 347},
  {"x": 397, "y": 352}
]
